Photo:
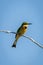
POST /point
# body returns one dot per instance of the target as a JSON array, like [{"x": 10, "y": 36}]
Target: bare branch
[
  {"x": 7, "y": 31},
  {"x": 40, "y": 45}
]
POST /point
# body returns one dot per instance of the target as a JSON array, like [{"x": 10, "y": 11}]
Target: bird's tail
[{"x": 14, "y": 44}]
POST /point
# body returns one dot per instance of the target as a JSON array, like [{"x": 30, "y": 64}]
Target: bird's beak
[{"x": 29, "y": 23}]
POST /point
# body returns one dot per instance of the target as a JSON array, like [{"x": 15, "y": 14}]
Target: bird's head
[{"x": 25, "y": 24}]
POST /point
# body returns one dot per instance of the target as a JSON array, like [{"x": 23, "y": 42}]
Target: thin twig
[
  {"x": 40, "y": 45},
  {"x": 7, "y": 31}
]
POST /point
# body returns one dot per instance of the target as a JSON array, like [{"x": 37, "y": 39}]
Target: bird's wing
[{"x": 18, "y": 31}]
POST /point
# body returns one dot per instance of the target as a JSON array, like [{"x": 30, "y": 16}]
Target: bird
[{"x": 21, "y": 30}]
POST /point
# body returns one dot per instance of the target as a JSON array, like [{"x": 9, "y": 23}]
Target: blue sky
[{"x": 12, "y": 14}]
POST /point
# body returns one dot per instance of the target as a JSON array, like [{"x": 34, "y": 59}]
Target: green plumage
[{"x": 22, "y": 29}]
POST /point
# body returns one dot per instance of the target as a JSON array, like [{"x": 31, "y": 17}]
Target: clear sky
[{"x": 12, "y": 14}]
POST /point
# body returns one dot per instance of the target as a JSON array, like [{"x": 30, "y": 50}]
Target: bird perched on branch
[{"x": 22, "y": 29}]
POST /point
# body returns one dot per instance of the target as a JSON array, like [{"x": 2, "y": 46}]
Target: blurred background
[{"x": 12, "y": 14}]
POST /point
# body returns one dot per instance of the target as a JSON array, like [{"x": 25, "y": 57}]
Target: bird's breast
[{"x": 23, "y": 30}]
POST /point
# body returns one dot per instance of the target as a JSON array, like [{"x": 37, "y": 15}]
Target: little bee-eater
[{"x": 22, "y": 29}]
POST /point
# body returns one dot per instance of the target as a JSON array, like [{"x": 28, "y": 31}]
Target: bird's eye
[{"x": 25, "y": 27}]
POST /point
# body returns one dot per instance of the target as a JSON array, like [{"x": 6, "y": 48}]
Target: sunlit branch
[{"x": 40, "y": 45}]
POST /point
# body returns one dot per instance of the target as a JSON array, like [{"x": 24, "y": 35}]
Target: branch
[
  {"x": 40, "y": 45},
  {"x": 34, "y": 41},
  {"x": 7, "y": 31}
]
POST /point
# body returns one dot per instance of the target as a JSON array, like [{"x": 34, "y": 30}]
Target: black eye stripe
[{"x": 25, "y": 27}]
